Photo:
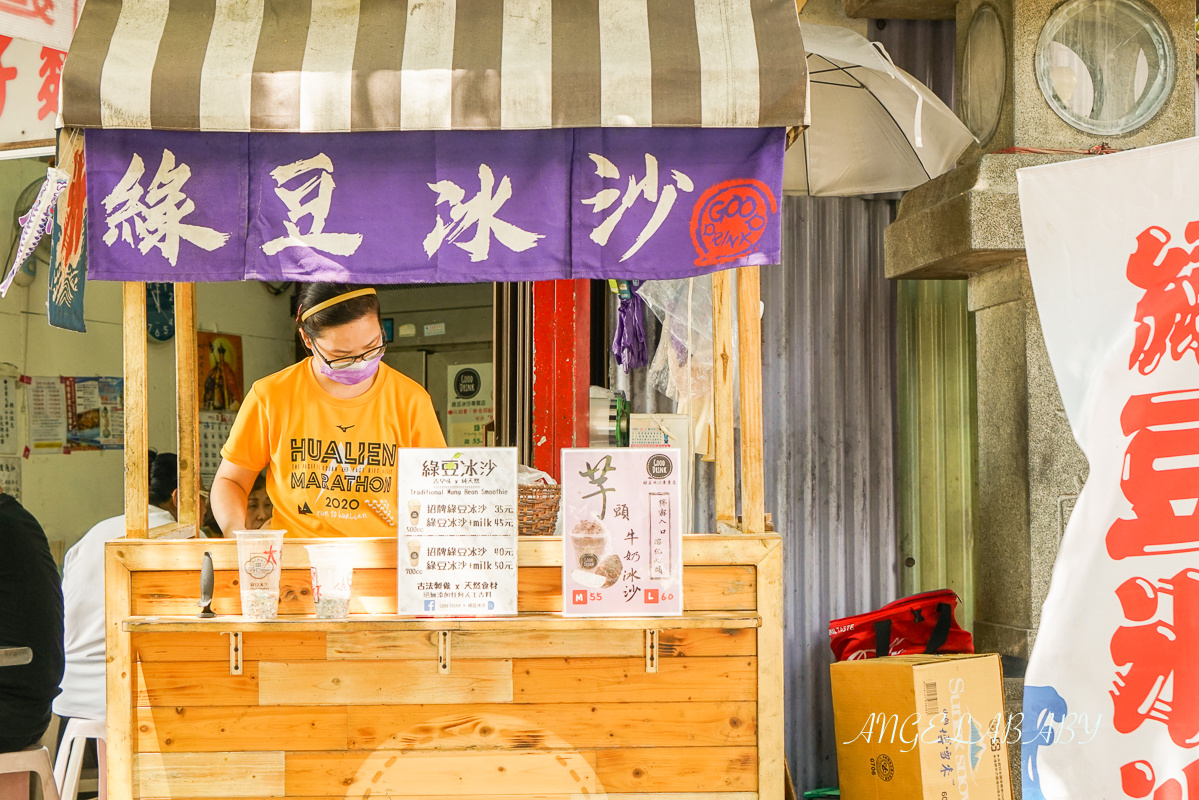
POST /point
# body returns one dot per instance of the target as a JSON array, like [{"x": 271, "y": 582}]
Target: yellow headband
[{"x": 332, "y": 301}]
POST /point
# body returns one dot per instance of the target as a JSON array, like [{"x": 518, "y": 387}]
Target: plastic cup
[
  {"x": 332, "y": 573},
  {"x": 259, "y": 560}
]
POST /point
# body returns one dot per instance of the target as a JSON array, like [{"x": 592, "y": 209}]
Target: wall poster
[
  {"x": 222, "y": 372},
  {"x": 95, "y": 410},
  {"x": 457, "y": 532}
]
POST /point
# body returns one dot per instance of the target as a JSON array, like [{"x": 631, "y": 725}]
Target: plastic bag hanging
[{"x": 629, "y": 345}]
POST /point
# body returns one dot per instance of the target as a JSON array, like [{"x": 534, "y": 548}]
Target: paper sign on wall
[
  {"x": 214, "y": 432},
  {"x": 8, "y": 417},
  {"x": 10, "y": 476},
  {"x": 47, "y": 415},
  {"x": 469, "y": 405},
  {"x": 457, "y": 532},
  {"x": 623, "y": 542}
]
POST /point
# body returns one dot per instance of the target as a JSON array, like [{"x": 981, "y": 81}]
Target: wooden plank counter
[{"x": 536, "y": 706}]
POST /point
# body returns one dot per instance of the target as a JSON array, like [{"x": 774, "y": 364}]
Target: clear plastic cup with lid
[
  {"x": 332, "y": 566},
  {"x": 259, "y": 561}
]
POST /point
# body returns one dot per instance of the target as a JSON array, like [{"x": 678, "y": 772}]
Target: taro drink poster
[
  {"x": 622, "y": 524},
  {"x": 457, "y": 532}
]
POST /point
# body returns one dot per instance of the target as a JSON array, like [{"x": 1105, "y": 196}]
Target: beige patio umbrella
[{"x": 874, "y": 127}]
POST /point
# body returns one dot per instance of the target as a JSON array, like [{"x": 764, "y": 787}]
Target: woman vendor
[{"x": 328, "y": 427}]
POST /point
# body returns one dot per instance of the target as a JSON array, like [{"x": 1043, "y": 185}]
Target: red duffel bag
[{"x": 922, "y": 623}]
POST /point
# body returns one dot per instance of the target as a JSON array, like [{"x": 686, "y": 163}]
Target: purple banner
[{"x": 413, "y": 207}]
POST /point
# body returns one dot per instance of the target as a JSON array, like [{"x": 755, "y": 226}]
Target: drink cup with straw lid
[
  {"x": 332, "y": 572},
  {"x": 259, "y": 560}
]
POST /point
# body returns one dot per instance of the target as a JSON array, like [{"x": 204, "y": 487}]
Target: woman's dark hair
[
  {"x": 313, "y": 294},
  {"x": 164, "y": 477}
]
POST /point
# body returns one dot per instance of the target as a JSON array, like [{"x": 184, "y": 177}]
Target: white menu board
[
  {"x": 457, "y": 532},
  {"x": 622, "y": 517}
]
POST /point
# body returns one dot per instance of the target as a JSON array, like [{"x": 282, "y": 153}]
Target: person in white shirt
[{"x": 83, "y": 686}]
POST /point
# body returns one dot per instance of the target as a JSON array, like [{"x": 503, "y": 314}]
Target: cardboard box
[{"x": 928, "y": 727}]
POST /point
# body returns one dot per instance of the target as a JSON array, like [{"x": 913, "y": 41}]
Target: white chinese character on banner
[
  {"x": 312, "y": 198},
  {"x": 647, "y": 187},
  {"x": 479, "y": 211},
  {"x": 155, "y": 217}
]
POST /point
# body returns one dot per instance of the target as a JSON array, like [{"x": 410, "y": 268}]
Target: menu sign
[
  {"x": 457, "y": 532},
  {"x": 622, "y": 515}
]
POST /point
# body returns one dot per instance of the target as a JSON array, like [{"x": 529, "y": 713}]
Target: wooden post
[
  {"x": 187, "y": 405},
  {"x": 119, "y": 669},
  {"x": 749, "y": 355},
  {"x": 772, "y": 751},
  {"x": 137, "y": 475},
  {"x": 726, "y": 475}
]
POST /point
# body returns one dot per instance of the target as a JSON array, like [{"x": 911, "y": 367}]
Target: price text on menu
[
  {"x": 622, "y": 524},
  {"x": 457, "y": 532}
]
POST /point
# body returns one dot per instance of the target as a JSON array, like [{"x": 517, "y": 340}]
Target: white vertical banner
[{"x": 1111, "y": 705}]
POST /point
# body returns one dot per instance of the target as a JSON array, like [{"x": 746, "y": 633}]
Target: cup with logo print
[
  {"x": 259, "y": 560},
  {"x": 332, "y": 566}
]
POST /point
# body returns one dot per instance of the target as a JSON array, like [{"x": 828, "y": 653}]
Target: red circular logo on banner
[{"x": 729, "y": 219}]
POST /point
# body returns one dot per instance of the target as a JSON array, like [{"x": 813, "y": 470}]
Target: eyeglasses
[{"x": 348, "y": 361}]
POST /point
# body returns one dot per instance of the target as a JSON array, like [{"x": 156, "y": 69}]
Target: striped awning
[{"x": 367, "y": 65}]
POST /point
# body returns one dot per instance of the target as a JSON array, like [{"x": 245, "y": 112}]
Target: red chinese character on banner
[
  {"x": 51, "y": 75},
  {"x": 1166, "y": 313},
  {"x": 1160, "y": 476},
  {"x": 1158, "y": 654},
  {"x": 1138, "y": 780},
  {"x": 6, "y": 73},
  {"x": 38, "y": 9}
]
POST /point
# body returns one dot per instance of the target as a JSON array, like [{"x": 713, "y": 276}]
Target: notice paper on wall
[
  {"x": 457, "y": 532},
  {"x": 8, "y": 417},
  {"x": 622, "y": 517},
  {"x": 47, "y": 415},
  {"x": 95, "y": 413},
  {"x": 469, "y": 406},
  {"x": 10, "y": 476},
  {"x": 214, "y": 432}
]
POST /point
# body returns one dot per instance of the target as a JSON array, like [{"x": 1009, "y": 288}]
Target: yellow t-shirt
[{"x": 332, "y": 461}]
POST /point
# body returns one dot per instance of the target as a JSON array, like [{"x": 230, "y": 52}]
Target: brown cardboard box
[{"x": 929, "y": 727}]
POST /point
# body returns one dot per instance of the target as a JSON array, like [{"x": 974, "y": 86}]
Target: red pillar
[{"x": 561, "y": 369}]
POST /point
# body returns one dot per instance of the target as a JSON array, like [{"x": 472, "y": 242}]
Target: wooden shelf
[{"x": 725, "y": 620}]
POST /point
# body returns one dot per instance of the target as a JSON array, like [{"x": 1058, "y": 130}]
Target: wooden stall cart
[{"x": 532, "y": 706}]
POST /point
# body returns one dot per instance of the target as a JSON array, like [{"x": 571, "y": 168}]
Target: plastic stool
[
  {"x": 69, "y": 763},
  {"x": 32, "y": 759}
]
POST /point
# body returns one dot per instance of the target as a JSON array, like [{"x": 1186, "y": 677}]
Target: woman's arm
[{"x": 229, "y": 495}]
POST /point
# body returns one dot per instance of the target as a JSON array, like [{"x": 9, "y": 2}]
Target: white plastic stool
[
  {"x": 69, "y": 763},
  {"x": 32, "y": 759}
]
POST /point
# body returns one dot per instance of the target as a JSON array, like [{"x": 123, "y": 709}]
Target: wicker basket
[{"x": 537, "y": 509}]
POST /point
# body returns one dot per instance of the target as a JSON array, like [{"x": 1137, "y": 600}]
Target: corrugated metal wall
[
  {"x": 831, "y": 378},
  {"x": 829, "y": 395},
  {"x": 830, "y": 381}
]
